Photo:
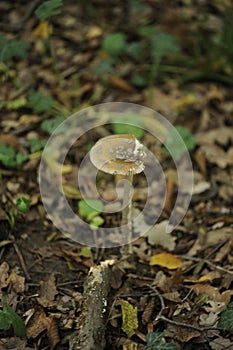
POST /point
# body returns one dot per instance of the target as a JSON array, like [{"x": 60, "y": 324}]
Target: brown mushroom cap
[{"x": 118, "y": 154}]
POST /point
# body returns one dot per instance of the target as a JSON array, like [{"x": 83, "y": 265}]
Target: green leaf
[
  {"x": 48, "y": 9},
  {"x": 147, "y": 31},
  {"x": 36, "y": 144},
  {"x": 138, "y": 80},
  {"x": 226, "y": 318},
  {"x": 23, "y": 204},
  {"x": 12, "y": 48},
  {"x": 90, "y": 208},
  {"x": 134, "y": 49},
  {"x": 16, "y": 104},
  {"x": 40, "y": 103},
  {"x": 9, "y": 158},
  {"x": 51, "y": 124},
  {"x": 177, "y": 147},
  {"x": 154, "y": 341},
  {"x": 163, "y": 44},
  {"x": 21, "y": 158},
  {"x": 125, "y": 125},
  {"x": 97, "y": 221},
  {"x": 114, "y": 44},
  {"x": 104, "y": 66},
  {"x": 9, "y": 318}
]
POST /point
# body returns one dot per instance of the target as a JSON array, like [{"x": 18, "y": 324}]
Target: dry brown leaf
[
  {"x": 52, "y": 332},
  {"x": 121, "y": 84},
  {"x": 213, "y": 293},
  {"x": 14, "y": 343},
  {"x": 172, "y": 296},
  {"x": 16, "y": 282},
  {"x": 182, "y": 334},
  {"x": 4, "y": 274},
  {"x": 215, "y": 155},
  {"x": 37, "y": 324},
  {"x": 158, "y": 235},
  {"x": 212, "y": 238},
  {"x": 159, "y": 101},
  {"x": 48, "y": 291},
  {"x": 221, "y": 344},
  {"x": 220, "y": 135},
  {"x": 208, "y": 320}
]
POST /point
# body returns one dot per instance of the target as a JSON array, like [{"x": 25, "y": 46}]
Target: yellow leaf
[
  {"x": 184, "y": 102},
  {"x": 166, "y": 260},
  {"x": 58, "y": 168},
  {"x": 86, "y": 252},
  {"x": 94, "y": 32},
  {"x": 43, "y": 30},
  {"x": 71, "y": 191},
  {"x": 129, "y": 318},
  {"x": 200, "y": 280}
]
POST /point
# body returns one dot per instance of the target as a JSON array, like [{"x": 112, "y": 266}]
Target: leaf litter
[{"x": 176, "y": 288}]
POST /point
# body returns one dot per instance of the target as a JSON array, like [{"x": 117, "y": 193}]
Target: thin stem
[{"x": 126, "y": 220}]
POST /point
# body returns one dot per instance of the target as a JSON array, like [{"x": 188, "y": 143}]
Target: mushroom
[{"x": 120, "y": 155}]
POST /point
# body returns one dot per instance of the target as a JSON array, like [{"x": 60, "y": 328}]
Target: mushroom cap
[{"x": 118, "y": 154}]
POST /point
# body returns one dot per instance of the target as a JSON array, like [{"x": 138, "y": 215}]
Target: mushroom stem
[{"x": 126, "y": 220}]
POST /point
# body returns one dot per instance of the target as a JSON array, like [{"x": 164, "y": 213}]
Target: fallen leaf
[
  {"x": 4, "y": 273},
  {"x": 129, "y": 317},
  {"x": 208, "y": 320},
  {"x": 159, "y": 101},
  {"x": 180, "y": 333},
  {"x": 158, "y": 235},
  {"x": 215, "y": 155},
  {"x": 221, "y": 344},
  {"x": 212, "y": 238},
  {"x": 16, "y": 282},
  {"x": 220, "y": 135},
  {"x": 71, "y": 191},
  {"x": 43, "y": 30},
  {"x": 37, "y": 324},
  {"x": 48, "y": 291},
  {"x": 52, "y": 332},
  {"x": 185, "y": 101},
  {"x": 121, "y": 84},
  {"x": 167, "y": 260},
  {"x": 200, "y": 280}
]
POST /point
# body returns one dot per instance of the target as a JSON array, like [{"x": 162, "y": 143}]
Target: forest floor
[{"x": 174, "y": 57}]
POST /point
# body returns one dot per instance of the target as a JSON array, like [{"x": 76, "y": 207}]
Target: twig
[
  {"x": 30, "y": 9},
  {"x": 160, "y": 317},
  {"x": 21, "y": 260}
]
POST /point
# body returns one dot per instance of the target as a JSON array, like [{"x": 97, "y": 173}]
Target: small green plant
[
  {"x": 154, "y": 341},
  {"x": 226, "y": 318},
  {"x": 48, "y": 9},
  {"x": 123, "y": 125},
  {"x": 114, "y": 44},
  {"x": 23, "y": 204},
  {"x": 9, "y": 318},
  {"x": 51, "y": 124},
  {"x": 9, "y": 158},
  {"x": 12, "y": 49},
  {"x": 40, "y": 103},
  {"x": 172, "y": 142},
  {"x": 90, "y": 209},
  {"x": 36, "y": 144},
  {"x": 159, "y": 45}
]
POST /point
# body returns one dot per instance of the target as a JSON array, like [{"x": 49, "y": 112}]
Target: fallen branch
[{"x": 90, "y": 334}]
